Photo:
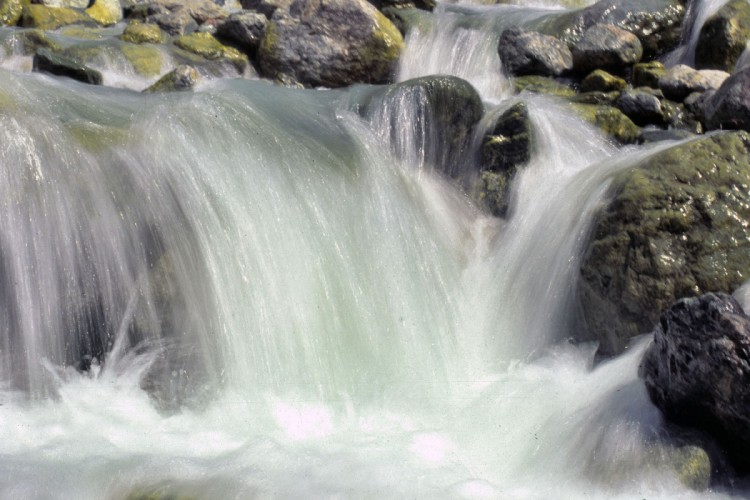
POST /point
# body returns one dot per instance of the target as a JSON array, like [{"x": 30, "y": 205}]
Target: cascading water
[
  {"x": 274, "y": 296},
  {"x": 698, "y": 12}
]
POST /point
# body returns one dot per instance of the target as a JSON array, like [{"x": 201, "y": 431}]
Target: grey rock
[
  {"x": 641, "y": 107},
  {"x": 729, "y": 107},
  {"x": 531, "y": 53},
  {"x": 605, "y": 46},
  {"x": 266, "y": 7},
  {"x": 723, "y": 37},
  {"x": 49, "y": 62},
  {"x": 244, "y": 30},
  {"x": 181, "y": 78},
  {"x": 681, "y": 80},
  {"x": 697, "y": 368}
]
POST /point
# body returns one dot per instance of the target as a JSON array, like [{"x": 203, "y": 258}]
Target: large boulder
[
  {"x": 729, "y": 107},
  {"x": 331, "y": 43},
  {"x": 243, "y": 30},
  {"x": 675, "y": 226},
  {"x": 105, "y": 12},
  {"x": 530, "y": 53},
  {"x": 52, "y": 18},
  {"x": 723, "y": 37},
  {"x": 208, "y": 47},
  {"x": 605, "y": 46},
  {"x": 680, "y": 81},
  {"x": 137, "y": 31},
  {"x": 656, "y": 23},
  {"x": 698, "y": 366}
]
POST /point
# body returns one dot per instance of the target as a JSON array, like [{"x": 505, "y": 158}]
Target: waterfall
[{"x": 698, "y": 12}]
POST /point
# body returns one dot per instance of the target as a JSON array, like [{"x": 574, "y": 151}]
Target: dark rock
[
  {"x": 657, "y": 135},
  {"x": 266, "y": 7},
  {"x": 656, "y": 23},
  {"x": 505, "y": 149},
  {"x": 55, "y": 64},
  {"x": 531, "y": 53},
  {"x": 681, "y": 80},
  {"x": 641, "y": 107},
  {"x": 427, "y": 5},
  {"x": 729, "y": 107},
  {"x": 596, "y": 97},
  {"x": 695, "y": 103},
  {"x": 723, "y": 37},
  {"x": 243, "y": 30},
  {"x": 542, "y": 85},
  {"x": 604, "y": 46},
  {"x": 677, "y": 116},
  {"x": 331, "y": 43},
  {"x": 179, "y": 79},
  {"x": 648, "y": 74},
  {"x": 675, "y": 227},
  {"x": 697, "y": 368},
  {"x": 601, "y": 81}
]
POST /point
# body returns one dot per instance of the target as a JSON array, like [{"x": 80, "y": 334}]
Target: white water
[
  {"x": 698, "y": 12},
  {"x": 350, "y": 326}
]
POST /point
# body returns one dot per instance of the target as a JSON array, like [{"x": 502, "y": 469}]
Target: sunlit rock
[{"x": 723, "y": 37}]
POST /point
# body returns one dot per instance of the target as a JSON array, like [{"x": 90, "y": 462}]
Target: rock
[
  {"x": 243, "y": 30},
  {"x": 145, "y": 60},
  {"x": 266, "y": 7},
  {"x": 51, "y": 18},
  {"x": 175, "y": 23},
  {"x": 650, "y": 135},
  {"x": 530, "y": 53},
  {"x": 697, "y": 368},
  {"x": 641, "y": 107},
  {"x": 596, "y": 97},
  {"x": 179, "y": 79},
  {"x": 331, "y": 43},
  {"x": 70, "y": 4},
  {"x": 723, "y": 37},
  {"x": 381, "y": 5},
  {"x": 505, "y": 149},
  {"x": 32, "y": 40},
  {"x": 139, "y": 32},
  {"x": 675, "y": 227},
  {"x": 695, "y": 103},
  {"x": 681, "y": 80},
  {"x": 208, "y": 47},
  {"x": 55, "y": 64},
  {"x": 542, "y": 85},
  {"x": 610, "y": 120},
  {"x": 656, "y": 23},
  {"x": 648, "y": 74},
  {"x": 601, "y": 81},
  {"x": 178, "y": 18},
  {"x": 10, "y": 11},
  {"x": 105, "y": 12},
  {"x": 729, "y": 107},
  {"x": 604, "y": 46}
]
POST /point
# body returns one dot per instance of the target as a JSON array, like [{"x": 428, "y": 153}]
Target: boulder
[
  {"x": 601, "y": 81},
  {"x": 647, "y": 74},
  {"x": 181, "y": 78},
  {"x": 505, "y": 148},
  {"x": 610, "y": 120},
  {"x": 243, "y": 30},
  {"x": 50, "y": 18},
  {"x": 105, "y": 12},
  {"x": 605, "y": 46},
  {"x": 208, "y": 47},
  {"x": 656, "y": 23},
  {"x": 675, "y": 226},
  {"x": 530, "y": 53},
  {"x": 10, "y": 11},
  {"x": 48, "y": 62},
  {"x": 680, "y": 81},
  {"x": 331, "y": 43},
  {"x": 697, "y": 367},
  {"x": 145, "y": 60},
  {"x": 641, "y": 107},
  {"x": 723, "y": 37},
  {"x": 729, "y": 107},
  {"x": 140, "y": 32},
  {"x": 266, "y": 7}
]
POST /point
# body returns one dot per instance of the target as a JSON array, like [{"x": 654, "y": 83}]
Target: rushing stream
[{"x": 279, "y": 297}]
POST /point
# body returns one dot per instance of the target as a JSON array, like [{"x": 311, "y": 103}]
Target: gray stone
[
  {"x": 729, "y": 107},
  {"x": 266, "y": 7},
  {"x": 641, "y": 107},
  {"x": 531, "y": 53},
  {"x": 48, "y": 62},
  {"x": 681, "y": 80},
  {"x": 243, "y": 30},
  {"x": 723, "y": 37},
  {"x": 604, "y": 46}
]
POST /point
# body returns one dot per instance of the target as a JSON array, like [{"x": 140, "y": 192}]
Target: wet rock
[
  {"x": 695, "y": 103},
  {"x": 723, "y": 37},
  {"x": 641, "y": 107},
  {"x": 601, "y": 81},
  {"x": 139, "y": 32},
  {"x": 29, "y": 41},
  {"x": 675, "y": 227},
  {"x": 208, "y": 47},
  {"x": 697, "y": 368},
  {"x": 105, "y": 12},
  {"x": 181, "y": 78},
  {"x": 50, "y": 18},
  {"x": 48, "y": 62},
  {"x": 506, "y": 148},
  {"x": 605, "y": 46},
  {"x": 530, "y": 53},
  {"x": 729, "y": 107},
  {"x": 681, "y": 80},
  {"x": 175, "y": 23},
  {"x": 331, "y": 43},
  {"x": 70, "y": 4},
  {"x": 610, "y": 120},
  {"x": 648, "y": 74},
  {"x": 656, "y": 23},
  {"x": 243, "y": 30},
  {"x": 10, "y": 12},
  {"x": 145, "y": 60},
  {"x": 650, "y": 135},
  {"x": 427, "y": 5},
  {"x": 266, "y": 7},
  {"x": 542, "y": 85}
]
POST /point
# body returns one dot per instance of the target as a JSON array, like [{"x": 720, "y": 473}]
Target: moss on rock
[
  {"x": 542, "y": 85},
  {"x": 140, "y": 32},
  {"x": 105, "y": 12},
  {"x": 51, "y": 18},
  {"x": 10, "y": 11},
  {"x": 609, "y": 120},
  {"x": 208, "y": 47},
  {"x": 146, "y": 60}
]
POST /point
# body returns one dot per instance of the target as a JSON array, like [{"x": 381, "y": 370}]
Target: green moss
[
  {"x": 146, "y": 60},
  {"x": 138, "y": 32},
  {"x": 208, "y": 47},
  {"x": 693, "y": 467},
  {"x": 600, "y": 80},
  {"x": 388, "y": 42},
  {"x": 52, "y": 18},
  {"x": 648, "y": 74},
  {"x": 105, "y": 12},
  {"x": 542, "y": 85},
  {"x": 82, "y": 32},
  {"x": 10, "y": 11},
  {"x": 96, "y": 138},
  {"x": 609, "y": 120}
]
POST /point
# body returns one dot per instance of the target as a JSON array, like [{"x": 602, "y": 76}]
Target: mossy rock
[
  {"x": 51, "y": 18},
  {"x": 723, "y": 37},
  {"x": 32, "y": 40},
  {"x": 146, "y": 60},
  {"x": 647, "y": 74},
  {"x": 596, "y": 97},
  {"x": 105, "y": 12},
  {"x": 610, "y": 120},
  {"x": 542, "y": 85},
  {"x": 180, "y": 79},
  {"x": 693, "y": 467},
  {"x": 600, "y": 80},
  {"x": 208, "y": 47},
  {"x": 10, "y": 11},
  {"x": 96, "y": 138},
  {"x": 140, "y": 32},
  {"x": 676, "y": 226},
  {"x": 82, "y": 32}
]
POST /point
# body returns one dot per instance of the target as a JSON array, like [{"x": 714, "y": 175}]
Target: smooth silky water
[{"x": 254, "y": 292}]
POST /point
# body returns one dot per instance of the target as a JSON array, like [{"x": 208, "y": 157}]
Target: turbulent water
[{"x": 277, "y": 296}]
